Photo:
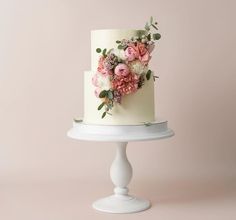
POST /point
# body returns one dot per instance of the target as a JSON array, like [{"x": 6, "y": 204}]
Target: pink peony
[
  {"x": 121, "y": 70},
  {"x": 125, "y": 84},
  {"x": 101, "y": 80},
  {"x": 131, "y": 53}
]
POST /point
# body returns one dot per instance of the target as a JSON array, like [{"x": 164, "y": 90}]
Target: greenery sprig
[
  {"x": 107, "y": 96},
  {"x": 152, "y": 25},
  {"x": 104, "y": 51}
]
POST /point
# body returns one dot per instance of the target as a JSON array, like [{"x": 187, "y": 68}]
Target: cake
[{"x": 119, "y": 88}]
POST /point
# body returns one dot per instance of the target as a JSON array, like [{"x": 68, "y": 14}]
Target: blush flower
[
  {"x": 125, "y": 84},
  {"x": 101, "y": 81},
  {"x": 138, "y": 67},
  {"x": 131, "y": 53},
  {"x": 110, "y": 62},
  {"x": 119, "y": 53},
  {"x": 101, "y": 67},
  {"x": 144, "y": 55},
  {"x": 121, "y": 69},
  {"x": 117, "y": 97}
]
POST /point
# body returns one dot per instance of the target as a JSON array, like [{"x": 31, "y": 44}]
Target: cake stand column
[{"x": 121, "y": 174}]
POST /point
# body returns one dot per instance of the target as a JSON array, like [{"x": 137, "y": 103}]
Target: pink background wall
[{"x": 44, "y": 49}]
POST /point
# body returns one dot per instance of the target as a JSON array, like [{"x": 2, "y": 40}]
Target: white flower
[
  {"x": 138, "y": 67},
  {"x": 103, "y": 81},
  {"x": 119, "y": 53}
]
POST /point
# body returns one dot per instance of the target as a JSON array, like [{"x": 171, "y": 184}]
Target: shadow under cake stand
[{"x": 121, "y": 169}]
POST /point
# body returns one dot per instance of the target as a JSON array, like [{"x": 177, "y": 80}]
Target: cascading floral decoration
[{"x": 124, "y": 70}]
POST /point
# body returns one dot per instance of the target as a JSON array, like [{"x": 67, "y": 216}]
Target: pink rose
[
  {"x": 131, "y": 53},
  {"x": 145, "y": 58},
  {"x": 144, "y": 55},
  {"x": 122, "y": 70},
  {"x": 141, "y": 48}
]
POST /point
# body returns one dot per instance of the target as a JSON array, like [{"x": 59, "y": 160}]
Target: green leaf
[
  {"x": 104, "y": 114},
  {"x": 120, "y": 47},
  {"x": 101, "y": 105},
  {"x": 110, "y": 94},
  {"x": 151, "y": 19},
  {"x": 148, "y": 74},
  {"x": 104, "y": 52},
  {"x": 78, "y": 120},
  {"x": 147, "y": 124},
  {"x": 109, "y": 106},
  {"x": 118, "y": 41},
  {"x": 98, "y": 50},
  {"x": 154, "y": 26},
  {"x": 155, "y": 77},
  {"x": 147, "y": 28},
  {"x": 156, "y": 36},
  {"x": 149, "y": 37},
  {"x": 109, "y": 51},
  {"x": 103, "y": 94}
]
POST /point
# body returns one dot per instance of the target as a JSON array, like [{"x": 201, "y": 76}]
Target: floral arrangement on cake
[{"x": 123, "y": 70}]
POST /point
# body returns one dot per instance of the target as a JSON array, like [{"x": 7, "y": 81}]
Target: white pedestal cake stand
[{"x": 121, "y": 170}]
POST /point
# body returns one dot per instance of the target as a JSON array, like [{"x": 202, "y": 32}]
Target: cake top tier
[{"x": 107, "y": 39}]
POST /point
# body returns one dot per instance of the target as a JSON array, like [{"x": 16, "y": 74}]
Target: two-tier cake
[{"x": 119, "y": 89}]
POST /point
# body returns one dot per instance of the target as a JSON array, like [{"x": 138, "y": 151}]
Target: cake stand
[{"x": 121, "y": 169}]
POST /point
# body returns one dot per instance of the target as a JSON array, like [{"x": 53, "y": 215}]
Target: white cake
[{"x": 135, "y": 108}]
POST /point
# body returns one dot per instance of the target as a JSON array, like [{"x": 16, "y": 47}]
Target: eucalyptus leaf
[
  {"x": 109, "y": 51},
  {"x": 151, "y": 19},
  {"x": 148, "y": 74},
  {"x": 104, "y": 52},
  {"x": 154, "y": 26},
  {"x": 109, "y": 106},
  {"x": 101, "y": 105},
  {"x": 104, "y": 114},
  {"x": 98, "y": 50},
  {"x": 120, "y": 47},
  {"x": 78, "y": 120},
  {"x": 147, "y": 28},
  {"x": 103, "y": 94},
  {"x": 110, "y": 94},
  {"x": 147, "y": 124},
  {"x": 156, "y": 36}
]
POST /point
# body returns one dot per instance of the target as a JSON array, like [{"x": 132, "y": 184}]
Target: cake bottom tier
[{"x": 136, "y": 108}]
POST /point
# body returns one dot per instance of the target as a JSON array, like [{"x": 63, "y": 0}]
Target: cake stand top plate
[{"x": 120, "y": 133}]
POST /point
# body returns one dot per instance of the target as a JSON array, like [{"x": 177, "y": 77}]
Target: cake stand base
[
  {"x": 121, "y": 170},
  {"x": 121, "y": 204}
]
